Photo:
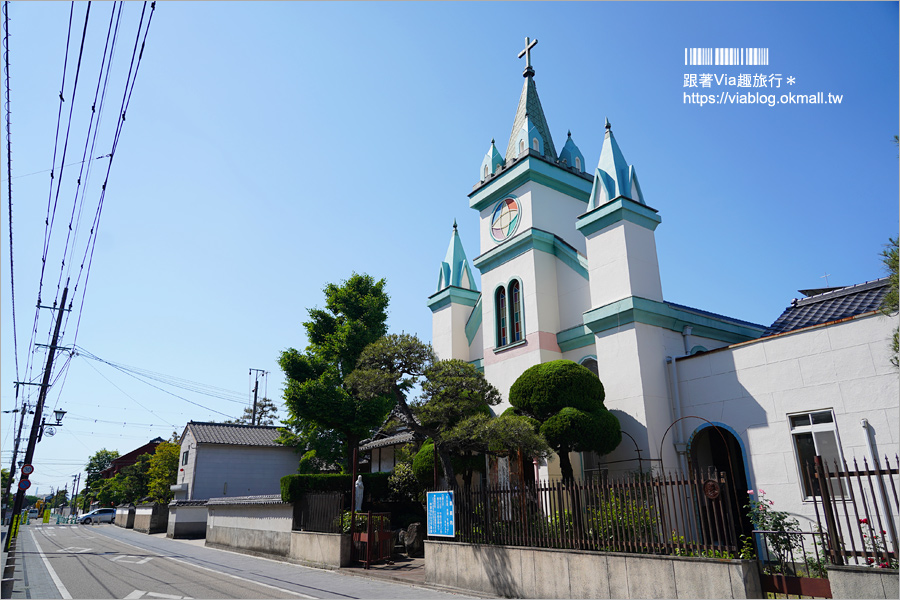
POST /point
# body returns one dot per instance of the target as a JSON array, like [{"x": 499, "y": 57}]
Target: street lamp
[{"x": 58, "y": 414}]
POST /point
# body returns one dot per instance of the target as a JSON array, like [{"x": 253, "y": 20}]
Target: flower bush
[{"x": 875, "y": 543}]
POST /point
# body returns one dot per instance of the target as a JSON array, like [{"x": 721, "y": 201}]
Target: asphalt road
[{"x": 104, "y": 561}]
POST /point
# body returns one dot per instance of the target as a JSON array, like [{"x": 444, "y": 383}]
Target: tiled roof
[
  {"x": 236, "y": 435},
  {"x": 400, "y": 438},
  {"x": 266, "y": 499},
  {"x": 831, "y": 306}
]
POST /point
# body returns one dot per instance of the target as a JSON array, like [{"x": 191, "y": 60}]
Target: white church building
[{"x": 569, "y": 270}]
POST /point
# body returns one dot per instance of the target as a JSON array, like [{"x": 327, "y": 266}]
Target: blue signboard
[{"x": 441, "y": 521}]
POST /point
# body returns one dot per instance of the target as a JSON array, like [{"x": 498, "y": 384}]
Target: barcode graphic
[{"x": 726, "y": 56}]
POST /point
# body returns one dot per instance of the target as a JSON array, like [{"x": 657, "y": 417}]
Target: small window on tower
[
  {"x": 535, "y": 144},
  {"x": 485, "y": 171},
  {"x": 521, "y": 146},
  {"x": 577, "y": 163}
]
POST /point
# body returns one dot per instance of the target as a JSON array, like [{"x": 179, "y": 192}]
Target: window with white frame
[
  {"x": 184, "y": 457},
  {"x": 815, "y": 434}
]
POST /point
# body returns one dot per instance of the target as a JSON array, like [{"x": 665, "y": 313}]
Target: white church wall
[
  {"x": 574, "y": 296},
  {"x": 543, "y": 208},
  {"x": 556, "y": 212},
  {"x": 754, "y": 387},
  {"x": 448, "y": 333},
  {"x": 476, "y": 348},
  {"x": 623, "y": 263}
]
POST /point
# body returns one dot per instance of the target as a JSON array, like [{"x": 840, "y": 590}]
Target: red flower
[{"x": 864, "y": 521}]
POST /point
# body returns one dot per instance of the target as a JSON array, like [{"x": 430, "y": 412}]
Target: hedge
[{"x": 375, "y": 485}]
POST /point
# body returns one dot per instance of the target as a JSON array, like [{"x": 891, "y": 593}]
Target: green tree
[
  {"x": 109, "y": 491},
  {"x": 4, "y": 479},
  {"x": 890, "y": 304},
  {"x": 98, "y": 462},
  {"x": 60, "y": 498},
  {"x": 266, "y": 413},
  {"x": 454, "y": 409},
  {"x": 320, "y": 449},
  {"x": 567, "y": 400},
  {"x": 136, "y": 479},
  {"x": 315, "y": 389},
  {"x": 163, "y": 472}
]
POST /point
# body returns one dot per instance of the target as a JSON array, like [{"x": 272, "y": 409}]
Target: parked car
[
  {"x": 101, "y": 515},
  {"x": 33, "y": 513}
]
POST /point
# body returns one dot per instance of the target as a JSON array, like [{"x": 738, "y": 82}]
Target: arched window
[
  {"x": 577, "y": 163},
  {"x": 500, "y": 309},
  {"x": 515, "y": 309},
  {"x": 521, "y": 146},
  {"x": 591, "y": 364},
  {"x": 535, "y": 144},
  {"x": 485, "y": 171}
]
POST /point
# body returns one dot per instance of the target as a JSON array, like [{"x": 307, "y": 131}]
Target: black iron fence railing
[
  {"x": 858, "y": 508},
  {"x": 320, "y": 512},
  {"x": 688, "y": 515}
]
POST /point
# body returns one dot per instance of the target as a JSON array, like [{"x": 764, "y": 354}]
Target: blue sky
[{"x": 271, "y": 148}]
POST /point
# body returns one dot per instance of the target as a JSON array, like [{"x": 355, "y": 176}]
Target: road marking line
[
  {"x": 192, "y": 565},
  {"x": 56, "y": 580},
  {"x": 124, "y": 558},
  {"x": 135, "y": 595}
]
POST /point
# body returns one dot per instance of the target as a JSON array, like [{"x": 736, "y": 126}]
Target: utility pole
[
  {"x": 38, "y": 410},
  {"x": 255, "y": 391},
  {"x": 12, "y": 467},
  {"x": 76, "y": 479}
]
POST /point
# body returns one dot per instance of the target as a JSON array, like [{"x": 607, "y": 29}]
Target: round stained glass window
[{"x": 505, "y": 219}]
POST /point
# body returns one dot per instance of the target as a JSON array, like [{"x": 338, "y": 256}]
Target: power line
[{"x": 12, "y": 279}]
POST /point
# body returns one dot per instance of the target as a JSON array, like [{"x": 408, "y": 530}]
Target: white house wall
[
  {"x": 753, "y": 387},
  {"x": 226, "y": 470}
]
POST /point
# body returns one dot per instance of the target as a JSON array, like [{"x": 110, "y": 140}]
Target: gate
[
  {"x": 373, "y": 540},
  {"x": 788, "y": 568}
]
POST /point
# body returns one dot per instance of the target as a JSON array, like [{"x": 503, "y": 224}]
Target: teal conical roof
[
  {"x": 491, "y": 162},
  {"x": 570, "y": 153},
  {"x": 614, "y": 177},
  {"x": 530, "y": 122},
  {"x": 455, "y": 270}
]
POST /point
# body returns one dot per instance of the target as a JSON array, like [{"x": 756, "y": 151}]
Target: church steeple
[
  {"x": 455, "y": 270},
  {"x": 614, "y": 177},
  {"x": 530, "y": 124}
]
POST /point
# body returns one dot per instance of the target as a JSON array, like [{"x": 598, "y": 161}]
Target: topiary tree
[{"x": 567, "y": 400}]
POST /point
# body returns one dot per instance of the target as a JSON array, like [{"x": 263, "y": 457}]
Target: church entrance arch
[{"x": 715, "y": 447}]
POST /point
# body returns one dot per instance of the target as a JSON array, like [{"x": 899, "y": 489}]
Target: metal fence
[
  {"x": 319, "y": 512},
  {"x": 669, "y": 514},
  {"x": 858, "y": 508}
]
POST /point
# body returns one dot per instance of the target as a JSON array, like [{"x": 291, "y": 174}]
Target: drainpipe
[
  {"x": 680, "y": 445},
  {"x": 686, "y": 336}
]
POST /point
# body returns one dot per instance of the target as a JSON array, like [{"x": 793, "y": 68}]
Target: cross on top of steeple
[{"x": 529, "y": 44}]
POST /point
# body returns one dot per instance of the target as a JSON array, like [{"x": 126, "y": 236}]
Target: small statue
[{"x": 359, "y": 493}]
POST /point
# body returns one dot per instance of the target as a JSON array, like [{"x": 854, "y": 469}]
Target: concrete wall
[
  {"x": 538, "y": 573},
  {"x": 187, "y": 519},
  {"x": 323, "y": 550},
  {"x": 151, "y": 518},
  {"x": 863, "y": 582},
  {"x": 124, "y": 517},
  {"x": 254, "y": 525}
]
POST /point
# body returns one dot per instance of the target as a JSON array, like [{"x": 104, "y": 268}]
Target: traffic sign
[
  {"x": 24, "y": 484},
  {"x": 28, "y": 469}
]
